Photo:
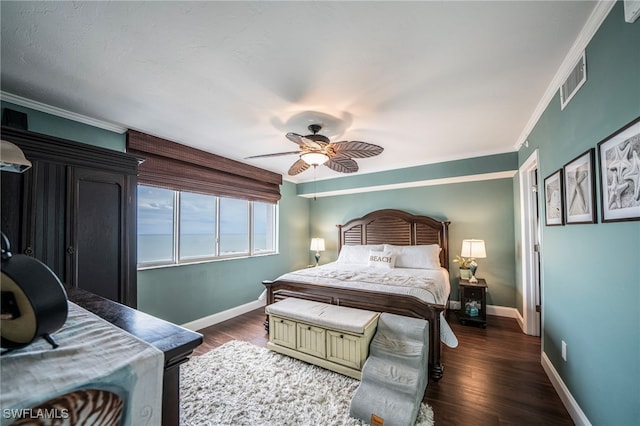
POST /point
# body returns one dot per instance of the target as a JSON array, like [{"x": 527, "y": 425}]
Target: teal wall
[
  {"x": 591, "y": 273},
  {"x": 482, "y": 209},
  {"x": 41, "y": 122}
]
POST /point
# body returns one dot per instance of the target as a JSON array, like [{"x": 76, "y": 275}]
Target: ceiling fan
[{"x": 316, "y": 149}]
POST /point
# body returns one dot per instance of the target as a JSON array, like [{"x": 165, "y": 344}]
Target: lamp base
[
  {"x": 317, "y": 258},
  {"x": 474, "y": 268}
]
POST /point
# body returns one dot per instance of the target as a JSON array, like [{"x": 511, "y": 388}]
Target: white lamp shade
[
  {"x": 314, "y": 158},
  {"x": 12, "y": 158},
  {"x": 317, "y": 244},
  {"x": 473, "y": 248}
]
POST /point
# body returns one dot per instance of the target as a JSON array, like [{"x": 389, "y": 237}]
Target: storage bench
[{"x": 330, "y": 336}]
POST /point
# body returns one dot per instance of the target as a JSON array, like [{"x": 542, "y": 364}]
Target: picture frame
[
  {"x": 553, "y": 199},
  {"x": 579, "y": 189},
  {"x": 619, "y": 165}
]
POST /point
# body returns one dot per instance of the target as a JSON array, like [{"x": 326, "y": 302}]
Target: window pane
[
  {"x": 263, "y": 227},
  {"x": 155, "y": 224},
  {"x": 234, "y": 226},
  {"x": 197, "y": 225}
]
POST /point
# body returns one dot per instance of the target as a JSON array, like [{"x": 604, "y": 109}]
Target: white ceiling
[{"x": 428, "y": 81}]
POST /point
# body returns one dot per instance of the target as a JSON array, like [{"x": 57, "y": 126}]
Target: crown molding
[
  {"x": 598, "y": 15},
  {"x": 59, "y": 112},
  {"x": 415, "y": 184}
]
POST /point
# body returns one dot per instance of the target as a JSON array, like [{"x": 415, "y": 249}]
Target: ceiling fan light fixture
[{"x": 314, "y": 158}]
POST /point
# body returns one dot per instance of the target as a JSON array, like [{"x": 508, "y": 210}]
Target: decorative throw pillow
[
  {"x": 417, "y": 257},
  {"x": 382, "y": 259},
  {"x": 357, "y": 254}
]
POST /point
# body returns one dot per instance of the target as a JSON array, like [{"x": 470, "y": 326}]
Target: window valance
[{"x": 179, "y": 167}]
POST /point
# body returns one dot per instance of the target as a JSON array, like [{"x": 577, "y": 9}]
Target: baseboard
[
  {"x": 223, "y": 316},
  {"x": 576, "y": 413},
  {"x": 501, "y": 311}
]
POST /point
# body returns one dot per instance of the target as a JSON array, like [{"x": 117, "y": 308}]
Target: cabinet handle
[
  {"x": 71, "y": 250},
  {"x": 281, "y": 321},
  {"x": 342, "y": 336},
  {"x": 309, "y": 328},
  {"x": 28, "y": 251}
]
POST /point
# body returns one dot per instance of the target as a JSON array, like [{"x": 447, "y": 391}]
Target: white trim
[
  {"x": 502, "y": 311},
  {"x": 599, "y": 13},
  {"x": 415, "y": 184},
  {"x": 59, "y": 112},
  {"x": 210, "y": 320},
  {"x": 576, "y": 413},
  {"x": 528, "y": 239}
]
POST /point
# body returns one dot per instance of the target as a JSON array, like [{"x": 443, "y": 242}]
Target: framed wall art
[
  {"x": 619, "y": 164},
  {"x": 579, "y": 189},
  {"x": 554, "y": 214}
]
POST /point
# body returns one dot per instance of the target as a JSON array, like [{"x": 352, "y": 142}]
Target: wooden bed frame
[{"x": 383, "y": 226}]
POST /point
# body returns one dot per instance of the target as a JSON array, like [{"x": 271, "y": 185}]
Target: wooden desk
[{"x": 176, "y": 342}]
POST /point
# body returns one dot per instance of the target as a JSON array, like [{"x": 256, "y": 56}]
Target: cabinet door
[
  {"x": 311, "y": 340},
  {"x": 344, "y": 349},
  {"x": 33, "y": 213},
  {"x": 97, "y": 234},
  {"x": 282, "y": 332}
]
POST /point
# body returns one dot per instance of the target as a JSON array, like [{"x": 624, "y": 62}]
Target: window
[
  {"x": 234, "y": 226},
  {"x": 176, "y": 227},
  {"x": 264, "y": 230},
  {"x": 155, "y": 224},
  {"x": 197, "y": 226}
]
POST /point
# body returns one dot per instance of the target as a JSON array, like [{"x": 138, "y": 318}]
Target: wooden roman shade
[{"x": 179, "y": 167}]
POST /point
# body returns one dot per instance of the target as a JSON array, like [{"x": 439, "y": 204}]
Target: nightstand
[{"x": 473, "y": 302}]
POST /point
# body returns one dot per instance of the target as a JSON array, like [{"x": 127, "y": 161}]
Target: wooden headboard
[{"x": 396, "y": 227}]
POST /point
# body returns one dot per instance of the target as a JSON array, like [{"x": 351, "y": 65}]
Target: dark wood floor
[{"x": 493, "y": 377}]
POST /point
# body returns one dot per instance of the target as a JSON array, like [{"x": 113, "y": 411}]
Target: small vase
[{"x": 465, "y": 273}]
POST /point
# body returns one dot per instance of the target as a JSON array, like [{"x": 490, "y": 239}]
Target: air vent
[{"x": 574, "y": 82}]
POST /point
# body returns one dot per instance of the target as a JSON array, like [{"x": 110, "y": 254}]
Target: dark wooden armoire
[{"x": 75, "y": 210}]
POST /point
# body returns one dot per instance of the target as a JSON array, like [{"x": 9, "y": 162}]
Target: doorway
[{"x": 531, "y": 247}]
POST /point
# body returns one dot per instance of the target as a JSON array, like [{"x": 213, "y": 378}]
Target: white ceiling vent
[
  {"x": 631, "y": 10},
  {"x": 574, "y": 81}
]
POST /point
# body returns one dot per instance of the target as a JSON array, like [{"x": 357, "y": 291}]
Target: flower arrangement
[{"x": 465, "y": 263}]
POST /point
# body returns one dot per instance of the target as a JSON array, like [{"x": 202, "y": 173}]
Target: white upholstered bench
[{"x": 330, "y": 336}]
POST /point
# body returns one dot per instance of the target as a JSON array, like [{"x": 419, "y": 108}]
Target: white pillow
[
  {"x": 417, "y": 257},
  {"x": 357, "y": 253},
  {"x": 382, "y": 259}
]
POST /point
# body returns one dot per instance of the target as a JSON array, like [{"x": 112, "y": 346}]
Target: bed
[{"x": 349, "y": 283}]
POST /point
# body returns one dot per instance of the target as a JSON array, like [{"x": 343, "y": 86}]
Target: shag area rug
[{"x": 243, "y": 384}]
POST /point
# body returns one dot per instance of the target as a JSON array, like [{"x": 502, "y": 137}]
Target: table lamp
[
  {"x": 317, "y": 244},
  {"x": 474, "y": 249}
]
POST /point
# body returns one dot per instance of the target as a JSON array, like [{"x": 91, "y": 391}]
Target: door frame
[{"x": 531, "y": 290}]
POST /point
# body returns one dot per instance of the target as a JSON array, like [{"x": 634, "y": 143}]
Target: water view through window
[{"x": 179, "y": 226}]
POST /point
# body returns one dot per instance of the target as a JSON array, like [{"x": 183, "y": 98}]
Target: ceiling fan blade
[
  {"x": 305, "y": 141},
  {"x": 294, "y": 137},
  {"x": 310, "y": 144},
  {"x": 277, "y": 154},
  {"x": 342, "y": 165},
  {"x": 355, "y": 149},
  {"x": 298, "y": 167}
]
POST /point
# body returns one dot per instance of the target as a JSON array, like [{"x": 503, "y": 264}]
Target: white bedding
[{"x": 429, "y": 285}]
